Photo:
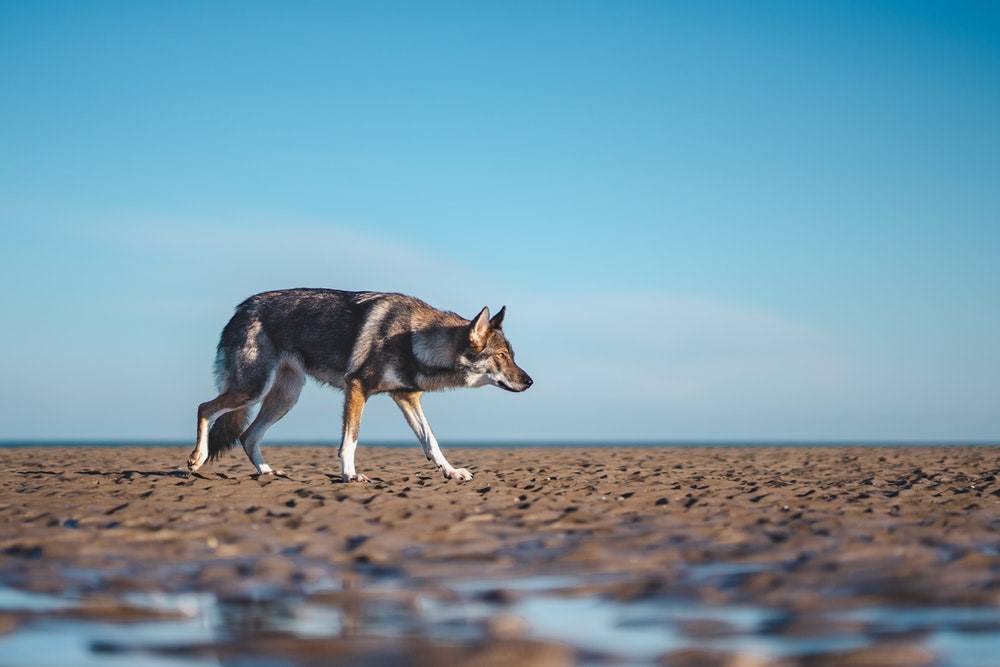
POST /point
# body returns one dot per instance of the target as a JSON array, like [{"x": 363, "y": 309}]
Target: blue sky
[{"x": 708, "y": 220}]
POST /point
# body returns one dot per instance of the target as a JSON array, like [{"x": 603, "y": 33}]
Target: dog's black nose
[{"x": 528, "y": 381}]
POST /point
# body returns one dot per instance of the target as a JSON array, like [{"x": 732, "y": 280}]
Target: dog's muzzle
[{"x": 526, "y": 382}]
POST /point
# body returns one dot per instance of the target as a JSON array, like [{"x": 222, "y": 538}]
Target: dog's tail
[{"x": 226, "y": 431}]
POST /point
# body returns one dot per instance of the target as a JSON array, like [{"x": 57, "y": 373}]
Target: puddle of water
[
  {"x": 709, "y": 571},
  {"x": 549, "y": 583},
  {"x": 454, "y": 621},
  {"x": 185, "y": 604},
  {"x": 55, "y": 643},
  {"x": 15, "y": 600},
  {"x": 964, "y": 649},
  {"x": 634, "y": 632},
  {"x": 312, "y": 620},
  {"x": 896, "y": 619},
  {"x": 596, "y": 625},
  {"x": 641, "y": 631},
  {"x": 962, "y": 636},
  {"x": 61, "y": 643}
]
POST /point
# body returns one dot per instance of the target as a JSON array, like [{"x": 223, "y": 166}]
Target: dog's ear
[
  {"x": 480, "y": 328},
  {"x": 497, "y": 320}
]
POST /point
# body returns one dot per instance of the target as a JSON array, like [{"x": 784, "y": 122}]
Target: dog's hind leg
[
  {"x": 409, "y": 403},
  {"x": 354, "y": 405},
  {"x": 208, "y": 412},
  {"x": 288, "y": 382}
]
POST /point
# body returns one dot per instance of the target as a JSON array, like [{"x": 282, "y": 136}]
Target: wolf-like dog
[{"x": 365, "y": 343}]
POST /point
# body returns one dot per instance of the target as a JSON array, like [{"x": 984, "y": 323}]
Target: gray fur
[{"x": 364, "y": 342}]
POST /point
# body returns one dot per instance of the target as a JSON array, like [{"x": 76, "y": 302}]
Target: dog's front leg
[
  {"x": 354, "y": 405},
  {"x": 409, "y": 403}
]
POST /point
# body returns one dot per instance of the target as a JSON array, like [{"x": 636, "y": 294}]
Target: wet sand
[{"x": 670, "y": 556}]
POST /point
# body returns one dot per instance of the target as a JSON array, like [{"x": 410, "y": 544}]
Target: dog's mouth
[{"x": 516, "y": 390}]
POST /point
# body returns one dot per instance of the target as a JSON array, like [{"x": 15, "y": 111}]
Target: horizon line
[{"x": 529, "y": 442}]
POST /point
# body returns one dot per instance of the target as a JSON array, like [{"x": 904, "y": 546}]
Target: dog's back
[
  {"x": 329, "y": 332},
  {"x": 316, "y": 325}
]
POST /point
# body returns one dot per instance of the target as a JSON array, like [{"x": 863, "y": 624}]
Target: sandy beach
[{"x": 664, "y": 556}]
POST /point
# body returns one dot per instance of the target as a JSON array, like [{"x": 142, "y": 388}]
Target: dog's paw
[
  {"x": 460, "y": 474},
  {"x": 193, "y": 463},
  {"x": 355, "y": 478}
]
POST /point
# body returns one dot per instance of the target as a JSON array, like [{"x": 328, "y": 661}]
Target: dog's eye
[{"x": 500, "y": 356}]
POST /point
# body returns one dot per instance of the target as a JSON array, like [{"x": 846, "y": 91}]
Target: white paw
[
  {"x": 461, "y": 474},
  {"x": 194, "y": 461},
  {"x": 358, "y": 477}
]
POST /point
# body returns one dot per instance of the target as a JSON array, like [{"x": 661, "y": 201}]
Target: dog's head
[{"x": 489, "y": 356}]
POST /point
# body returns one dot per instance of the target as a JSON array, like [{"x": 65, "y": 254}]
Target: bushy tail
[{"x": 225, "y": 432}]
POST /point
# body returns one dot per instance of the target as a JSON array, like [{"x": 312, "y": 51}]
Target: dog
[{"x": 364, "y": 343}]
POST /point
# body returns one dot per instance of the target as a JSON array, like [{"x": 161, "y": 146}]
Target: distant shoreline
[{"x": 526, "y": 444}]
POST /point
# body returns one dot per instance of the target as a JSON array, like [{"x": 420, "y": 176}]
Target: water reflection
[{"x": 203, "y": 629}]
